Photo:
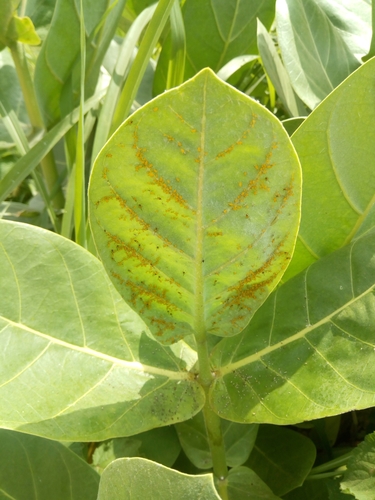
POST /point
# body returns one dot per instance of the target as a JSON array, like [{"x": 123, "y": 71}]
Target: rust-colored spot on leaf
[
  {"x": 215, "y": 233},
  {"x": 109, "y": 155}
]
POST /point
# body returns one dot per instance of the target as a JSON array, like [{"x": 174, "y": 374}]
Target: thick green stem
[
  {"x": 48, "y": 165},
  {"x": 206, "y": 376}
]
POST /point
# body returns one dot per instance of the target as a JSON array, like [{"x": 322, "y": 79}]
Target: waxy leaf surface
[
  {"x": 309, "y": 351},
  {"x": 36, "y": 468},
  {"x": 336, "y": 151},
  {"x": 136, "y": 478},
  {"x": 320, "y": 59},
  {"x": 195, "y": 208},
  {"x": 76, "y": 363}
]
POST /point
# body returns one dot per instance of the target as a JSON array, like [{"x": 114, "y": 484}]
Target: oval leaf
[
  {"x": 61, "y": 320},
  {"x": 309, "y": 351},
  {"x": 195, "y": 208},
  {"x": 135, "y": 478},
  {"x": 334, "y": 146}
]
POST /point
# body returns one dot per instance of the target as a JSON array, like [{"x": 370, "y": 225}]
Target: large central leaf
[{"x": 195, "y": 208}]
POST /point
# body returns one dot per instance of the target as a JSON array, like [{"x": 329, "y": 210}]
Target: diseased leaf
[
  {"x": 319, "y": 60},
  {"x": 359, "y": 478},
  {"x": 244, "y": 484},
  {"x": 32, "y": 467},
  {"x": 106, "y": 376},
  {"x": 309, "y": 352},
  {"x": 282, "y": 458},
  {"x": 216, "y": 32},
  {"x": 135, "y": 478},
  {"x": 336, "y": 152},
  {"x": 239, "y": 440},
  {"x": 194, "y": 209}
]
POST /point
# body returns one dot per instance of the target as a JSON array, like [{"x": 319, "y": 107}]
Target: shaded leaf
[
  {"x": 57, "y": 302},
  {"x": 243, "y": 483},
  {"x": 359, "y": 478},
  {"x": 336, "y": 152},
  {"x": 196, "y": 201},
  {"x": 160, "y": 445},
  {"x": 309, "y": 351},
  {"x": 58, "y": 61},
  {"x": 32, "y": 467},
  {"x": 282, "y": 458},
  {"x": 134, "y": 478},
  {"x": 239, "y": 440},
  {"x": 319, "y": 60},
  {"x": 216, "y": 32}
]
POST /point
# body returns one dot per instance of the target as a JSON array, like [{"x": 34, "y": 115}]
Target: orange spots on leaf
[
  {"x": 215, "y": 233},
  {"x": 156, "y": 109},
  {"x": 108, "y": 155}
]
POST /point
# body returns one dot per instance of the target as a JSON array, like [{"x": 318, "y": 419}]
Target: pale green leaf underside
[
  {"x": 76, "y": 362},
  {"x": 310, "y": 350},
  {"x": 35, "y": 468},
  {"x": 136, "y": 478},
  {"x": 313, "y": 49},
  {"x": 336, "y": 152},
  {"x": 195, "y": 208}
]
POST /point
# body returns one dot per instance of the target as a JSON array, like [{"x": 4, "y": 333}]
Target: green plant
[{"x": 165, "y": 367}]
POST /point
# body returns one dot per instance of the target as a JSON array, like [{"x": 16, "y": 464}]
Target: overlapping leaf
[
  {"x": 76, "y": 362},
  {"x": 336, "y": 151},
  {"x": 320, "y": 59},
  {"x": 195, "y": 208},
  {"x": 135, "y": 478},
  {"x": 32, "y": 467},
  {"x": 309, "y": 352}
]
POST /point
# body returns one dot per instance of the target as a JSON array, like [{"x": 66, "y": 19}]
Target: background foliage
[{"x": 83, "y": 413}]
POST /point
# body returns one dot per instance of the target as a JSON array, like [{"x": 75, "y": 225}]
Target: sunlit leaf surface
[
  {"x": 195, "y": 208},
  {"x": 138, "y": 478},
  {"x": 336, "y": 152},
  {"x": 76, "y": 363},
  {"x": 309, "y": 351}
]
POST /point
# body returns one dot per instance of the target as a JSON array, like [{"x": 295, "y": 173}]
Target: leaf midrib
[{"x": 131, "y": 365}]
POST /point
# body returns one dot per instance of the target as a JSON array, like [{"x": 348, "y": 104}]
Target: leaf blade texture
[
  {"x": 194, "y": 209},
  {"x": 77, "y": 362}
]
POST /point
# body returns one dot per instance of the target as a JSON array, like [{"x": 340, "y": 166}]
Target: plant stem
[{"x": 48, "y": 162}]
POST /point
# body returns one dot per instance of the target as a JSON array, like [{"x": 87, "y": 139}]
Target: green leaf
[
  {"x": 336, "y": 152},
  {"x": 21, "y": 29},
  {"x": 196, "y": 201},
  {"x": 60, "y": 52},
  {"x": 359, "y": 478},
  {"x": 244, "y": 484},
  {"x": 320, "y": 59},
  {"x": 32, "y": 467},
  {"x": 277, "y": 73},
  {"x": 239, "y": 440},
  {"x": 309, "y": 351},
  {"x": 26, "y": 164},
  {"x": 135, "y": 478},
  {"x": 57, "y": 302},
  {"x": 160, "y": 445},
  {"x": 216, "y": 32},
  {"x": 11, "y": 97},
  {"x": 282, "y": 458}
]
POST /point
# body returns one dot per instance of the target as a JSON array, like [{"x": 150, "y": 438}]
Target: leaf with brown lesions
[{"x": 194, "y": 208}]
